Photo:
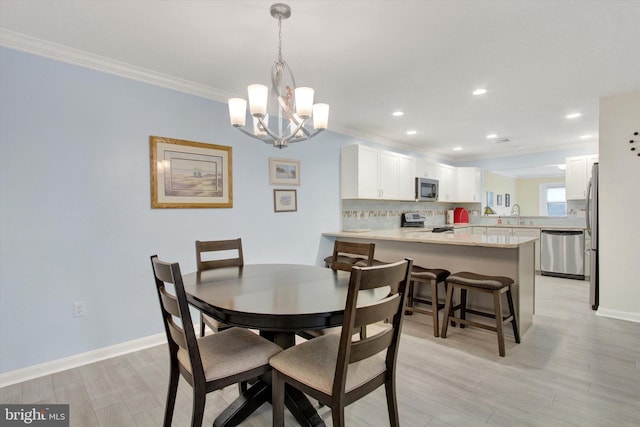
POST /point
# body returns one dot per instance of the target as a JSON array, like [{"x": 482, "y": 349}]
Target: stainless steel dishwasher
[{"x": 562, "y": 253}]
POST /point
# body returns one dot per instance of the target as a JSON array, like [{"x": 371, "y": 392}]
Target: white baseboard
[
  {"x": 76, "y": 360},
  {"x": 621, "y": 315}
]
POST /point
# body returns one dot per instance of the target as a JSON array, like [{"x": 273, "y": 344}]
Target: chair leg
[
  {"x": 392, "y": 402},
  {"x": 514, "y": 322},
  {"x": 242, "y": 387},
  {"x": 463, "y": 306},
  {"x": 363, "y": 332},
  {"x": 201, "y": 325},
  {"x": 174, "y": 376},
  {"x": 199, "y": 399},
  {"x": 448, "y": 306},
  {"x": 499, "y": 321},
  {"x": 409, "y": 298},
  {"x": 337, "y": 415},
  {"x": 434, "y": 307},
  {"x": 277, "y": 399}
]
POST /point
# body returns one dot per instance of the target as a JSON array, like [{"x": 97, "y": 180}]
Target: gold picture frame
[
  {"x": 285, "y": 200},
  {"x": 188, "y": 174},
  {"x": 284, "y": 171}
]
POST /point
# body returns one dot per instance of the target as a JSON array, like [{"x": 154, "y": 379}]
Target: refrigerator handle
[{"x": 589, "y": 188}]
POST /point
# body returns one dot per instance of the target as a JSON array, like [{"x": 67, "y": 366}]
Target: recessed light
[
  {"x": 573, "y": 115},
  {"x": 411, "y": 132},
  {"x": 398, "y": 113},
  {"x": 479, "y": 91},
  {"x": 457, "y": 148},
  {"x": 586, "y": 136},
  {"x": 562, "y": 166},
  {"x": 492, "y": 136}
]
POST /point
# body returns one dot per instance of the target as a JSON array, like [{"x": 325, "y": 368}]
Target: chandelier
[{"x": 290, "y": 106}]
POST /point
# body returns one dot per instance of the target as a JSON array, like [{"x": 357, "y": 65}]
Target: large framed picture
[
  {"x": 285, "y": 200},
  {"x": 187, "y": 174},
  {"x": 284, "y": 171}
]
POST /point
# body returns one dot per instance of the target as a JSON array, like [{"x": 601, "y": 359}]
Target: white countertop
[{"x": 424, "y": 235}]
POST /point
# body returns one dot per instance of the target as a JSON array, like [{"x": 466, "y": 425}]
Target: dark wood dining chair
[
  {"x": 343, "y": 259},
  {"x": 337, "y": 369},
  {"x": 207, "y": 363},
  {"x": 221, "y": 247},
  {"x": 347, "y": 254}
]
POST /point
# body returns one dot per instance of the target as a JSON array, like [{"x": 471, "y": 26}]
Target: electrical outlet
[{"x": 79, "y": 309}]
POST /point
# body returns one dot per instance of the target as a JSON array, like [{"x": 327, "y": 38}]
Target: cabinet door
[
  {"x": 469, "y": 184},
  {"x": 425, "y": 168},
  {"x": 576, "y": 178},
  {"x": 406, "y": 178},
  {"x": 448, "y": 182},
  {"x": 479, "y": 230},
  {"x": 531, "y": 232},
  {"x": 499, "y": 231},
  {"x": 359, "y": 172},
  {"x": 389, "y": 183}
]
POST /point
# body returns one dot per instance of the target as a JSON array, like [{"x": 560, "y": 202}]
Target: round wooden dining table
[{"x": 277, "y": 300}]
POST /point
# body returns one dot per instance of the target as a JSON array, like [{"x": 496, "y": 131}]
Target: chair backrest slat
[
  {"x": 178, "y": 335},
  {"x": 371, "y": 345},
  {"x": 170, "y": 303},
  {"x": 219, "y": 246}
]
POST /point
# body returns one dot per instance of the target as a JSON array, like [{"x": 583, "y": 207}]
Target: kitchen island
[{"x": 493, "y": 255}]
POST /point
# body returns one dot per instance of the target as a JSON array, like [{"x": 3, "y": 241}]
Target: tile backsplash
[{"x": 384, "y": 214}]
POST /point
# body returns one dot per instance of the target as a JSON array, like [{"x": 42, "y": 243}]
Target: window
[{"x": 553, "y": 200}]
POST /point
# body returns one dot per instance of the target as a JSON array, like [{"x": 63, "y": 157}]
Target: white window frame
[{"x": 542, "y": 193}]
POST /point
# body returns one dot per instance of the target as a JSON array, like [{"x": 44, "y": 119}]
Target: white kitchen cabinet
[
  {"x": 369, "y": 173},
  {"x": 577, "y": 174},
  {"x": 531, "y": 232},
  {"x": 359, "y": 172},
  {"x": 479, "y": 230},
  {"x": 448, "y": 182},
  {"x": 469, "y": 183},
  {"x": 425, "y": 168},
  {"x": 499, "y": 231}
]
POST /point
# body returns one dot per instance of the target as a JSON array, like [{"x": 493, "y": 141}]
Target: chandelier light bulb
[
  {"x": 237, "y": 111},
  {"x": 258, "y": 95},
  {"x": 320, "y": 116},
  {"x": 304, "y": 102}
]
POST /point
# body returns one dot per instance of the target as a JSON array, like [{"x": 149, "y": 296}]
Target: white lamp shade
[
  {"x": 304, "y": 102},
  {"x": 320, "y": 116},
  {"x": 258, "y": 95},
  {"x": 237, "y": 111}
]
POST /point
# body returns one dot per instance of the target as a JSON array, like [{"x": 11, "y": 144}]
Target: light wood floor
[{"x": 571, "y": 369}]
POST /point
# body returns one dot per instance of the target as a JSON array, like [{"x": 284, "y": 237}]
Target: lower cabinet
[
  {"x": 531, "y": 232},
  {"x": 498, "y": 231}
]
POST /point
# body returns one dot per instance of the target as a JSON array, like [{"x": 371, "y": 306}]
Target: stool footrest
[{"x": 489, "y": 315}]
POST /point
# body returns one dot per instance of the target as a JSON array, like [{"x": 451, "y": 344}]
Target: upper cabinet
[
  {"x": 577, "y": 175},
  {"x": 448, "y": 183},
  {"x": 369, "y": 173},
  {"x": 469, "y": 185}
]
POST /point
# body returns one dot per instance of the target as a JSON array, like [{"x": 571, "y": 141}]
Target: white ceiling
[{"x": 539, "y": 60}]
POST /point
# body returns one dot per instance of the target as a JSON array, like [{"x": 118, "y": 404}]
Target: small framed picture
[
  {"x": 284, "y": 171},
  {"x": 499, "y": 199},
  {"x": 285, "y": 200},
  {"x": 507, "y": 200},
  {"x": 489, "y": 198}
]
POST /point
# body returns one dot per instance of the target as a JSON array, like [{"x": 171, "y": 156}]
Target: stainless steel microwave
[{"x": 427, "y": 189}]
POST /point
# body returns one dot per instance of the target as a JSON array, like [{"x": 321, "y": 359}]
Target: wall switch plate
[{"x": 79, "y": 309}]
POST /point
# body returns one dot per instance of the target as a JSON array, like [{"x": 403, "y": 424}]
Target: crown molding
[{"x": 40, "y": 47}]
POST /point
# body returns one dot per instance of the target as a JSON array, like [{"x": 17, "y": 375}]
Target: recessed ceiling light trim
[
  {"x": 397, "y": 113},
  {"x": 411, "y": 132},
  {"x": 479, "y": 91},
  {"x": 457, "y": 148},
  {"x": 492, "y": 136},
  {"x": 573, "y": 115}
]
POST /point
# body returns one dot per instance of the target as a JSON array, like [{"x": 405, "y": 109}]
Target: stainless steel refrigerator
[{"x": 592, "y": 229}]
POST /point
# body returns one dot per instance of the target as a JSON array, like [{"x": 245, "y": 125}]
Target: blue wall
[{"x": 75, "y": 216}]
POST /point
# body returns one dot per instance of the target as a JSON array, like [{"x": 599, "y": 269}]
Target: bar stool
[
  {"x": 429, "y": 276},
  {"x": 495, "y": 285}
]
